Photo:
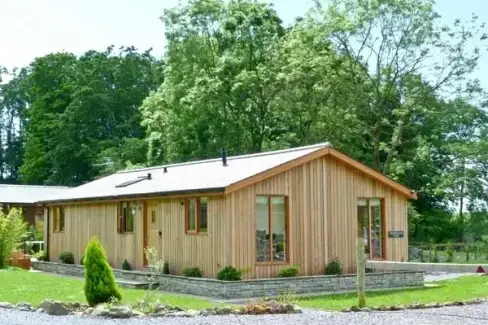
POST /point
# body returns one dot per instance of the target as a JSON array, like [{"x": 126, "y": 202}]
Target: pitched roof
[
  {"x": 27, "y": 194},
  {"x": 202, "y": 176}
]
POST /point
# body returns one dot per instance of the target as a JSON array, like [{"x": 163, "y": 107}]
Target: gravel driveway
[{"x": 465, "y": 315}]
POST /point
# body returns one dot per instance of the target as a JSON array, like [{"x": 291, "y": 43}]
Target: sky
[{"x": 33, "y": 28}]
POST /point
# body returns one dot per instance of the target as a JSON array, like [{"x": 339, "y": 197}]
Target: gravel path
[{"x": 465, "y": 315}]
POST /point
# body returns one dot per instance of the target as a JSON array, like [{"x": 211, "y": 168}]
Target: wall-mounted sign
[{"x": 395, "y": 234}]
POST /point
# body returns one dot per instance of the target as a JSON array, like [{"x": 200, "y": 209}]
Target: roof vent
[
  {"x": 149, "y": 176},
  {"x": 134, "y": 181},
  {"x": 165, "y": 169},
  {"x": 224, "y": 157}
]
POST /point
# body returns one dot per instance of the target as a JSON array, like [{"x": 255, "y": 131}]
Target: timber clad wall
[{"x": 322, "y": 207}]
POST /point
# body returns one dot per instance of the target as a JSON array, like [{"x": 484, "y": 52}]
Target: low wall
[
  {"x": 382, "y": 266},
  {"x": 253, "y": 288}
]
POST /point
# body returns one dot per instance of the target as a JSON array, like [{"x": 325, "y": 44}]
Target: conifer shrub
[
  {"x": 193, "y": 272},
  {"x": 165, "y": 267},
  {"x": 230, "y": 273},
  {"x": 126, "y": 266},
  {"x": 100, "y": 286},
  {"x": 67, "y": 258},
  {"x": 334, "y": 267}
]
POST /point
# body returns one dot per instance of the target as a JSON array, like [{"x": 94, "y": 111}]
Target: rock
[
  {"x": 383, "y": 308},
  {"x": 346, "y": 310},
  {"x": 273, "y": 303},
  {"x": 6, "y": 305},
  {"x": 193, "y": 312},
  {"x": 225, "y": 310},
  {"x": 459, "y": 303},
  {"x": 119, "y": 312},
  {"x": 24, "y": 306},
  {"x": 39, "y": 310},
  {"x": 76, "y": 313},
  {"x": 355, "y": 308},
  {"x": 397, "y": 307},
  {"x": 45, "y": 303},
  {"x": 297, "y": 310},
  {"x": 76, "y": 305},
  {"x": 159, "y": 307},
  {"x": 137, "y": 313},
  {"x": 179, "y": 314},
  {"x": 100, "y": 311},
  {"x": 55, "y": 308},
  {"x": 176, "y": 308},
  {"x": 158, "y": 314},
  {"x": 366, "y": 309},
  {"x": 88, "y": 311}
]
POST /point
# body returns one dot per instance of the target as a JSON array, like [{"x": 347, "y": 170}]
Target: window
[
  {"x": 271, "y": 229},
  {"x": 58, "y": 219},
  {"x": 127, "y": 212},
  {"x": 196, "y": 215},
  {"x": 371, "y": 216}
]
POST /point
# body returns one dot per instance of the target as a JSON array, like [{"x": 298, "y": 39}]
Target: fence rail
[{"x": 476, "y": 252}]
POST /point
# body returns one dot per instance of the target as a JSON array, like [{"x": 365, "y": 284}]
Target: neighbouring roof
[
  {"x": 202, "y": 176},
  {"x": 27, "y": 194}
]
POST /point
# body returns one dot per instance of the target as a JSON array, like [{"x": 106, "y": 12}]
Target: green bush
[
  {"x": 450, "y": 253},
  {"x": 165, "y": 267},
  {"x": 67, "y": 258},
  {"x": 12, "y": 230},
  {"x": 334, "y": 267},
  {"x": 193, "y": 272},
  {"x": 100, "y": 286},
  {"x": 126, "y": 266},
  {"x": 82, "y": 260},
  {"x": 40, "y": 255},
  {"x": 288, "y": 272},
  {"x": 230, "y": 273}
]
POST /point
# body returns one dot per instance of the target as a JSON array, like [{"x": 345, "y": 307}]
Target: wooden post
[{"x": 361, "y": 263}]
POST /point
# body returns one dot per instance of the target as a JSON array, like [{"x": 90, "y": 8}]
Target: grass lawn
[
  {"x": 18, "y": 285},
  {"x": 463, "y": 288}
]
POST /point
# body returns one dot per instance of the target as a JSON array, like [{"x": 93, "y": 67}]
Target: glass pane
[
  {"x": 202, "y": 221},
  {"x": 376, "y": 228},
  {"x": 131, "y": 212},
  {"x": 153, "y": 217},
  {"x": 364, "y": 220},
  {"x": 192, "y": 206},
  {"x": 278, "y": 222},
  {"x": 61, "y": 219},
  {"x": 262, "y": 230}
]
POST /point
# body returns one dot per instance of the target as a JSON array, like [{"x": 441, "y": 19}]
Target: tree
[
  {"x": 12, "y": 230},
  {"x": 100, "y": 286}
]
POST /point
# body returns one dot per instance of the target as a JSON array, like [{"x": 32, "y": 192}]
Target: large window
[
  {"x": 127, "y": 212},
  {"x": 371, "y": 216},
  {"x": 58, "y": 219},
  {"x": 196, "y": 215},
  {"x": 271, "y": 229}
]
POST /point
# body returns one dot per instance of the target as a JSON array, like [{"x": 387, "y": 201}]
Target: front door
[{"x": 154, "y": 227}]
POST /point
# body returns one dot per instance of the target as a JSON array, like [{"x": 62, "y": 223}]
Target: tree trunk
[{"x": 361, "y": 264}]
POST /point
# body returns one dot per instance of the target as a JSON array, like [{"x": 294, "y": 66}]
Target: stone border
[
  {"x": 475, "y": 301},
  {"x": 424, "y": 267},
  {"x": 256, "y": 288}
]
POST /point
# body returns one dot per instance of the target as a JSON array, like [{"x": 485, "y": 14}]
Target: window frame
[
  {"x": 122, "y": 220},
  {"x": 58, "y": 214},
  {"x": 383, "y": 226},
  {"x": 198, "y": 212},
  {"x": 270, "y": 226}
]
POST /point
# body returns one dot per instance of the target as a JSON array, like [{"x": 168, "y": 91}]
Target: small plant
[
  {"x": 100, "y": 286},
  {"x": 230, "y": 273},
  {"x": 40, "y": 255},
  {"x": 82, "y": 260},
  {"x": 450, "y": 253},
  {"x": 12, "y": 230},
  {"x": 287, "y": 297},
  {"x": 334, "y": 267},
  {"x": 288, "y": 272},
  {"x": 126, "y": 266},
  {"x": 67, "y": 258},
  {"x": 165, "y": 267},
  {"x": 193, "y": 272}
]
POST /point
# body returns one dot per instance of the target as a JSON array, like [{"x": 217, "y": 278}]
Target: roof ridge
[
  {"x": 38, "y": 186},
  {"x": 230, "y": 158}
]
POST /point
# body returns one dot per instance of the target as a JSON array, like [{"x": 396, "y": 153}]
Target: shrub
[
  {"x": 126, "y": 266},
  {"x": 288, "y": 272},
  {"x": 334, "y": 267},
  {"x": 450, "y": 253},
  {"x": 193, "y": 272},
  {"x": 100, "y": 286},
  {"x": 12, "y": 230},
  {"x": 165, "y": 267},
  {"x": 40, "y": 255},
  {"x": 230, "y": 273},
  {"x": 82, "y": 260},
  {"x": 67, "y": 258}
]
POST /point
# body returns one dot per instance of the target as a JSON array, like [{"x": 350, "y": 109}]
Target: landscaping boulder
[
  {"x": 100, "y": 311},
  {"x": 6, "y": 305},
  {"x": 55, "y": 308},
  {"x": 23, "y": 306},
  {"x": 88, "y": 311},
  {"x": 119, "y": 312}
]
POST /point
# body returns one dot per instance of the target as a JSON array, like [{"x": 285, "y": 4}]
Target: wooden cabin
[{"x": 258, "y": 212}]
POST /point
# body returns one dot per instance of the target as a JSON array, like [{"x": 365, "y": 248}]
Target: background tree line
[{"x": 382, "y": 80}]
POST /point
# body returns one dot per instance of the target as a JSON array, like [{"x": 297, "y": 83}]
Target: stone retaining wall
[
  {"x": 388, "y": 266},
  {"x": 253, "y": 288}
]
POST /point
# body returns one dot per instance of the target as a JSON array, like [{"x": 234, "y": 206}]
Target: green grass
[
  {"x": 463, "y": 288},
  {"x": 18, "y": 285}
]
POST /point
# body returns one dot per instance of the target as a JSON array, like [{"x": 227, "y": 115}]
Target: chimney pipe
[
  {"x": 224, "y": 157},
  {"x": 165, "y": 170}
]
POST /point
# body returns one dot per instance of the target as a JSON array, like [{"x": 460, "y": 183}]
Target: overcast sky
[{"x": 33, "y": 28}]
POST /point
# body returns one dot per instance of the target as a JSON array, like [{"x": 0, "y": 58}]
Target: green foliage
[
  {"x": 287, "y": 297},
  {"x": 193, "y": 272},
  {"x": 67, "y": 258},
  {"x": 82, "y": 260},
  {"x": 450, "y": 253},
  {"x": 334, "y": 267},
  {"x": 165, "y": 267},
  {"x": 126, "y": 266},
  {"x": 288, "y": 272},
  {"x": 100, "y": 286},
  {"x": 12, "y": 230},
  {"x": 230, "y": 273},
  {"x": 40, "y": 255}
]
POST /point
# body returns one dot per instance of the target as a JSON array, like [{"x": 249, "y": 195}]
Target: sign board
[{"x": 395, "y": 234}]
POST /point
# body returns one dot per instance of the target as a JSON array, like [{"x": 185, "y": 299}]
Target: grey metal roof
[
  {"x": 204, "y": 175},
  {"x": 27, "y": 194}
]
